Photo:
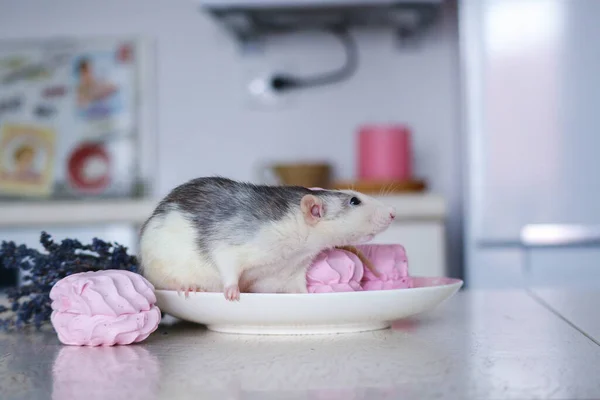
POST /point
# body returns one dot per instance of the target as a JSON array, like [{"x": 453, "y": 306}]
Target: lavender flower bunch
[{"x": 30, "y": 302}]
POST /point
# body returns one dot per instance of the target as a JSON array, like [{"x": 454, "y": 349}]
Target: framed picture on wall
[
  {"x": 80, "y": 107},
  {"x": 26, "y": 159}
]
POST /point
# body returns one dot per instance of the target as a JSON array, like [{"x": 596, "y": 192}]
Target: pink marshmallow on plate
[
  {"x": 104, "y": 308},
  {"x": 335, "y": 270},
  {"x": 391, "y": 263}
]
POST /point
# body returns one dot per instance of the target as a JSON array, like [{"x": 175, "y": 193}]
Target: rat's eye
[{"x": 355, "y": 201}]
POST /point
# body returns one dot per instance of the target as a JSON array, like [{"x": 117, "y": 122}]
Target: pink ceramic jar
[{"x": 384, "y": 153}]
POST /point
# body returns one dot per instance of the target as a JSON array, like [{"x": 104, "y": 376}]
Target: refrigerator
[{"x": 531, "y": 131}]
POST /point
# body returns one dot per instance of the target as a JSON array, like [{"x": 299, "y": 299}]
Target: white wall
[{"x": 201, "y": 103}]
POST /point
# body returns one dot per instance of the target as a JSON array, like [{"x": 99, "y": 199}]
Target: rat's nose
[{"x": 392, "y": 213}]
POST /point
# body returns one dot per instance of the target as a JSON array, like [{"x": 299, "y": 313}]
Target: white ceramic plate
[{"x": 314, "y": 313}]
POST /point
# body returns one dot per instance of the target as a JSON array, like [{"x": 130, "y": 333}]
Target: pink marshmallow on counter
[
  {"x": 109, "y": 292},
  {"x": 335, "y": 270},
  {"x": 104, "y": 308},
  {"x": 105, "y": 330}
]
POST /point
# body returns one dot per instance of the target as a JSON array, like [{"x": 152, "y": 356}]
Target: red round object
[{"x": 77, "y": 163}]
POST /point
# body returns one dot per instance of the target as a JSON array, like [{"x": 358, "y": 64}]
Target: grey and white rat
[{"x": 216, "y": 234}]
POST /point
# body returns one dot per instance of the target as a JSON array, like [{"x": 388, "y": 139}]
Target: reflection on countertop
[{"x": 129, "y": 372}]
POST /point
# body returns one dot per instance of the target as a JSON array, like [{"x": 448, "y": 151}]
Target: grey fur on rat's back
[{"x": 226, "y": 211}]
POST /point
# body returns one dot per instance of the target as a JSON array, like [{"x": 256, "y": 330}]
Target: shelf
[
  {"x": 30, "y": 214},
  {"x": 249, "y": 20}
]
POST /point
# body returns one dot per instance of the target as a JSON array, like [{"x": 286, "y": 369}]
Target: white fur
[
  {"x": 170, "y": 257},
  {"x": 275, "y": 260}
]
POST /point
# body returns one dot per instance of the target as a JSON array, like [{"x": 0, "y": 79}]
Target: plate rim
[{"x": 454, "y": 282}]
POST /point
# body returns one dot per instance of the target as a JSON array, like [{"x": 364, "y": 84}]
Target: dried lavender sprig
[{"x": 30, "y": 303}]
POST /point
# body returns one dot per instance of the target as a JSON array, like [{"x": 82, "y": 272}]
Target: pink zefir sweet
[
  {"x": 340, "y": 270},
  {"x": 390, "y": 262},
  {"x": 334, "y": 270},
  {"x": 104, "y": 308}
]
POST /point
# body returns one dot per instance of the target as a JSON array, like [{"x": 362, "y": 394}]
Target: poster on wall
[
  {"x": 69, "y": 117},
  {"x": 26, "y": 159}
]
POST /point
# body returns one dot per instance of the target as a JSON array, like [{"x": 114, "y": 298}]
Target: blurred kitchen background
[{"x": 475, "y": 118}]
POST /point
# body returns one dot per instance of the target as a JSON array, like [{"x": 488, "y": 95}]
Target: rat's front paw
[
  {"x": 232, "y": 293},
  {"x": 186, "y": 290}
]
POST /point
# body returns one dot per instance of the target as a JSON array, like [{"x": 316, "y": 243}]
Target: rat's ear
[{"x": 312, "y": 208}]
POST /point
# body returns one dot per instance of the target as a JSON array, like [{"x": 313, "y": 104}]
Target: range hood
[{"x": 250, "y": 19}]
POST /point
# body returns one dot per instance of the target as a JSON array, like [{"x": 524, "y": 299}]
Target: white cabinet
[{"x": 420, "y": 228}]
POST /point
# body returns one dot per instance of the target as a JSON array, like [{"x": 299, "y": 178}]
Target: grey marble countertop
[
  {"x": 579, "y": 307},
  {"x": 477, "y": 345}
]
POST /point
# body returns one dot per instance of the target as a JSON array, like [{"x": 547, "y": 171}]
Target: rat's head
[{"x": 345, "y": 217}]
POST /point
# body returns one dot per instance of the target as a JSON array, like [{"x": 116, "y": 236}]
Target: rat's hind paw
[{"x": 232, "y": 293}]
